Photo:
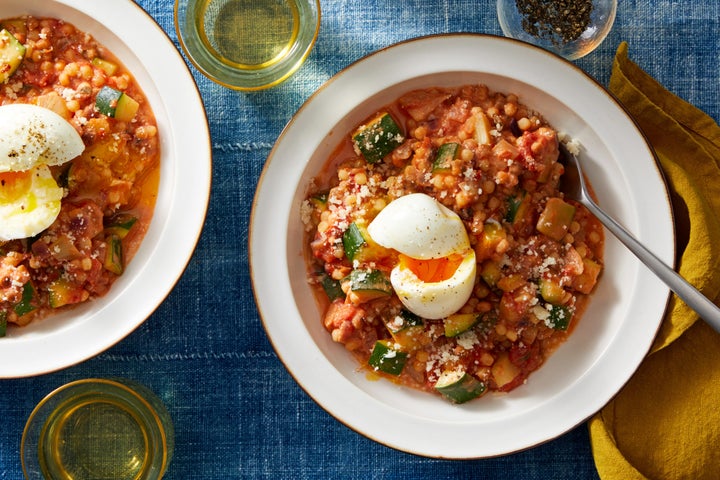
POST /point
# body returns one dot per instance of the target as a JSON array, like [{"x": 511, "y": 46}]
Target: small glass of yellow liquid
[
  {"x": 98, "y": 429},
  {"x": 247, "y": 44}
]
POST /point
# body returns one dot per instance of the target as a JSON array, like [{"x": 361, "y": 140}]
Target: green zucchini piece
[
  {"x": 377, "y": 138},
  {"x": 105, "y": 65},
  {"x": 114, "y": 255},
  {"x": 559, "y": 318},
  {"x": 459, "y": 387},
  {"x": 445, "y": 155},
  {"x": 556, "y": 218},
  {"x": 551, "y": 290},
  {"x": 12, "y": 53},
  {"x": 332, "y": 287},
  {"x": 353, "y": 241},
  {"x": 387, "y": 359},
  {"x": 116, "y": 104},
  {"x": 408, "y": 331},
  {"x": 319, "y": 200},
  {"x": 369, "y": 284},
  {"x": 491, "y": 273},
  {"x": 61, "y": 292},
  {"x": 404, "y": 320},
  {"x": 518, "y": 207},
  {"x": 3, "y": 323},
  {"x": 458, "y": 323},
  {"x": 25, "y": 305},
  {"x": 120, "y": 224}
]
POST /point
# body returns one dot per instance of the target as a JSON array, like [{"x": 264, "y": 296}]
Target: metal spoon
[{"x": 574, "y": 186}]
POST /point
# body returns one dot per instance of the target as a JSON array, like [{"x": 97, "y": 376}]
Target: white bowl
[
  {"x": 585, "y": 372},
  {"x": 76, "y": 335}
]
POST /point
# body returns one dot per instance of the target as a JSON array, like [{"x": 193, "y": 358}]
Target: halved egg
[
  {"x": 31, "y": 139},
  {"x": 435, "y": 274}
]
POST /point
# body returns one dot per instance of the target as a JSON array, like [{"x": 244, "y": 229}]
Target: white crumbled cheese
[
  {"x": 540, "y": 312},
  {"x": 390, "y": 354},
  {"x": 467, "y": 340},
  {"x": 10, "y": 94},
  {"x": 397, "y": 323},
  {"x": 68, "y": 94},
  {"x": 306, "y": 210},
  {"x": 573, "y": 145}
]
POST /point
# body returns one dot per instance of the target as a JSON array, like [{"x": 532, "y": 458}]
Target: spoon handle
[{"x": 689, "y": 294}]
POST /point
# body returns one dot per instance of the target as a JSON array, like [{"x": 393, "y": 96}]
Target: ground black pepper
[{"x": 560, "y": 21}]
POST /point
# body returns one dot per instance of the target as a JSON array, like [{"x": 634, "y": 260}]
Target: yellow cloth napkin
[{"x": 665, "y": 423}]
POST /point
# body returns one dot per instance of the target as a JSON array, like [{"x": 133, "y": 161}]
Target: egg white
[
  {"x": 420, "y": 227},
  {"x": 435, "y": 300},
  {"x": 29, "y": 202},
  {"x": 31, "y": 135}
]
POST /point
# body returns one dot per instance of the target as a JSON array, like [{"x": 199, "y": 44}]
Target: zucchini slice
[
  {"x": 518, "y": 208},
  {"x": 120, "y": 224},
  {"x": 105, "y": 65},
  {"x": 3, "y": 323},
  {"x": 114, "y": 255},
  {"x": 12, "y": 53},
  {"x": 408, "y": 331},
  {"x": 367, "y": 285},
  {"x": 459, "y": 386},
  {"x": 377, "y": 138},
  {"x": 559, "y": 318},
  {"x": 61, "y": 292},
  {"x": 458, "y": 323},
  {"x": 403, "y": 321},
  {"x": 25, "y": 305},
  {"x": 352, "y": 240},
  {"x": 332, "y": 287},
  {"x": 387, "y": 359},
  {"x": 556, "y": 218},
  {"x": 445, "y": 155},
  {"x": 551, "y": 290},
  {"x": 116, "y": 104}
]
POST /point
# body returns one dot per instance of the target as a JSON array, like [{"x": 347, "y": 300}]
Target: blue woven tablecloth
[{"x": 237, "y": 412}]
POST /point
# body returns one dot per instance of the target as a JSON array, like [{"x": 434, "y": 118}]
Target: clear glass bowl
[
  {"x": 570, "y": 28},
  {"x": 97, "y": 429},
  {"x": 247, "y": 44}
]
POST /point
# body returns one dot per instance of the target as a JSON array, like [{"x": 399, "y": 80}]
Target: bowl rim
[{"x": 329, "y": 400}]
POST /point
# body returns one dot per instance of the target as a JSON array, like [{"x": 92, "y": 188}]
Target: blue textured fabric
[{"x": 237, "y": 412}]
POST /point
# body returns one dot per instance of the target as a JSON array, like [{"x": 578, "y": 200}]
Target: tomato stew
[
  {"x": 538, "y": 255},
  {"x": 110, "y": 189}
]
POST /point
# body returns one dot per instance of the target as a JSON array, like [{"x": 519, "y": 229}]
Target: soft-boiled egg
[
  {"x": 435, "y": 274},
  {"x": 32, "y": 138}
]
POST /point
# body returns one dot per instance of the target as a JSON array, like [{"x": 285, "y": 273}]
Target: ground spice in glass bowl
[{"x": 570, "y": 28}]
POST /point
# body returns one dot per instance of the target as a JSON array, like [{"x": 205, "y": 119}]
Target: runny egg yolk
[
  {"x": 14, "y": 185},
  {"x": 431, "y": 270},
  {"x": 30, "y": 201}
]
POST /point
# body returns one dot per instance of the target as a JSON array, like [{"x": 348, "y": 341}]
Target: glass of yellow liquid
[
  {"x": 98, "y": 429},
  {"x": 247, "y": 44}
]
